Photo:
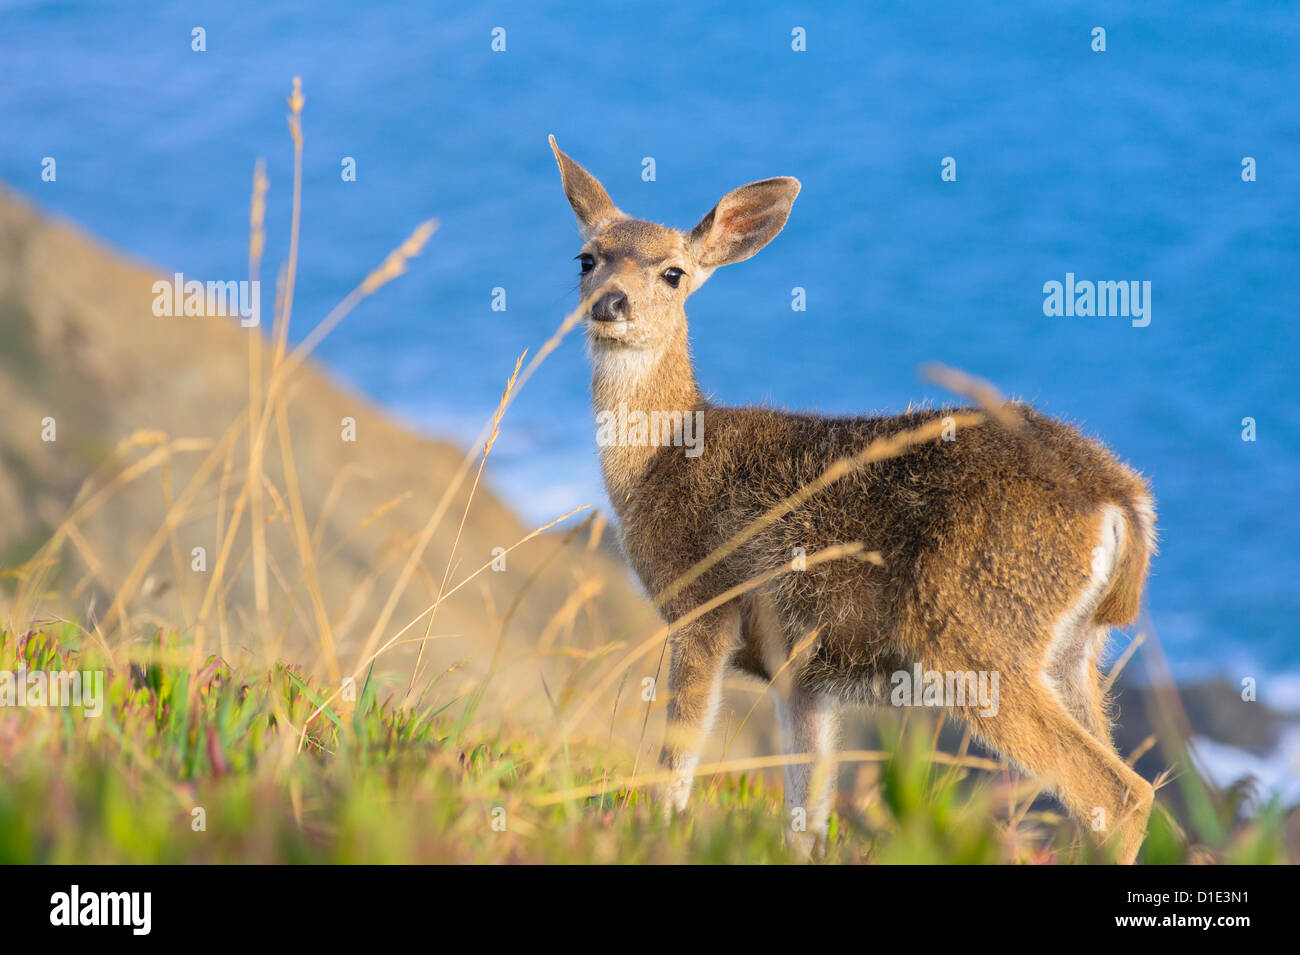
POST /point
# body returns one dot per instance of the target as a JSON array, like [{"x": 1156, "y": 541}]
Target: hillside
[{"x": 79, "y": 344}]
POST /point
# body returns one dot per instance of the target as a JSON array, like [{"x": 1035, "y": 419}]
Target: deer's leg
[
  {"x": 1077, "y": 682},
  {"x": 808, "y": 725},
  {"x": 1036, "y": 730},
  {"x": 1051, "y": 720},
  {"x": 699, "y": 655}
]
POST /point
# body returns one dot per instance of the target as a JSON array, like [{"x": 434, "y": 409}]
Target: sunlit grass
[{"x": 187, "y": 766}]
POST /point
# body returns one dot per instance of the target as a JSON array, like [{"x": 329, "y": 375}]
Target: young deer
[{"x": 1006, "y": 550}]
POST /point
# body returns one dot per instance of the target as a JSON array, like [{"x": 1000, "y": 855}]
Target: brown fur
[{"x": 987, "y": 541}]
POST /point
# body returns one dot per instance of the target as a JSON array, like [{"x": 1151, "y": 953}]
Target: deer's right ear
[{"x": 591, "y": 203}]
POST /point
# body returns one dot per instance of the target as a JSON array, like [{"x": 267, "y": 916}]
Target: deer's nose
[{"x": 610, "y": 307}]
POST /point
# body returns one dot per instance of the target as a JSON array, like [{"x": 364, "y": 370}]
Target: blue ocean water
[{"x": 1123, "y": 164}]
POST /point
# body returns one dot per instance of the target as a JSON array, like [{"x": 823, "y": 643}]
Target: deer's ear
[
  {"x": 744, "y": 221},
  {"x": 591, "y": 203}
]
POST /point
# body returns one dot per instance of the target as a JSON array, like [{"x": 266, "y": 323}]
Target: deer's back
[{"x": 991, "y": 529}]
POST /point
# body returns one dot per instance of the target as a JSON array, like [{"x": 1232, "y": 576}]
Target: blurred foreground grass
[{"x": 212, "y": 766}]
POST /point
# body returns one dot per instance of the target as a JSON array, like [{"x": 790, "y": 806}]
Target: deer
[{"x": 993, "y": 549}]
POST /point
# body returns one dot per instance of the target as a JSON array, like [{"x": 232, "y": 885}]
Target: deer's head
[{"x": 645, "y": 271}]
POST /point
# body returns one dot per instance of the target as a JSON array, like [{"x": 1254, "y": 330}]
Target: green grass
[{"x": 375, "y": 783}]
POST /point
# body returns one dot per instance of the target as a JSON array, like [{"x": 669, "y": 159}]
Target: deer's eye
[
  {"x": 673, "y": 276},
  {"x": 587, "y": 261}
]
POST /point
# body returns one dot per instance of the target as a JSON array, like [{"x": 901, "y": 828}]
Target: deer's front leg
[
  {"x": 808, "y": 726},
  {"x": 699, "y": 656}
]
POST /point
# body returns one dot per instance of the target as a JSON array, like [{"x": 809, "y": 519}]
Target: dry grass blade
[
  {"x": 660, "y": 637},
  {"x": 393, "y": 640},
  {"x": 877, "y": 450},
  {"x": 469, "y": 500},
  {"x": 798, "y": 650},
  {"x": 517, "y": 381},
  {"x": 117, "y": 610},
  {"x": 749, "y": 763},
  {"x": 981, "y": 391},
  {"x": 1118, "y": 667},
  {"x": 256, "y": 245}
]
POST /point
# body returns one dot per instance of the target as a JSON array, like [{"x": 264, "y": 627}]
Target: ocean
[{"x": 1117, "y": 165}]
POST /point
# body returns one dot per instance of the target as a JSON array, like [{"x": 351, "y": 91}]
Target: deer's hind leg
[
  {"x": 1050, "y": 715},
  {"x": 1033, "y": 728},
  {"x": 1077, "y": 681},
  {"x": 1077, "y": 641}
]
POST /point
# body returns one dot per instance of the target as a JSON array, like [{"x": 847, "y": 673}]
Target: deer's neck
[{"x": 639, "y": 399}]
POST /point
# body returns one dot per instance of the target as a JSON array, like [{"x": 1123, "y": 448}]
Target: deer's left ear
[
  {"x": 590, "y": 202},
  {"x": 744, "y": 221}
]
